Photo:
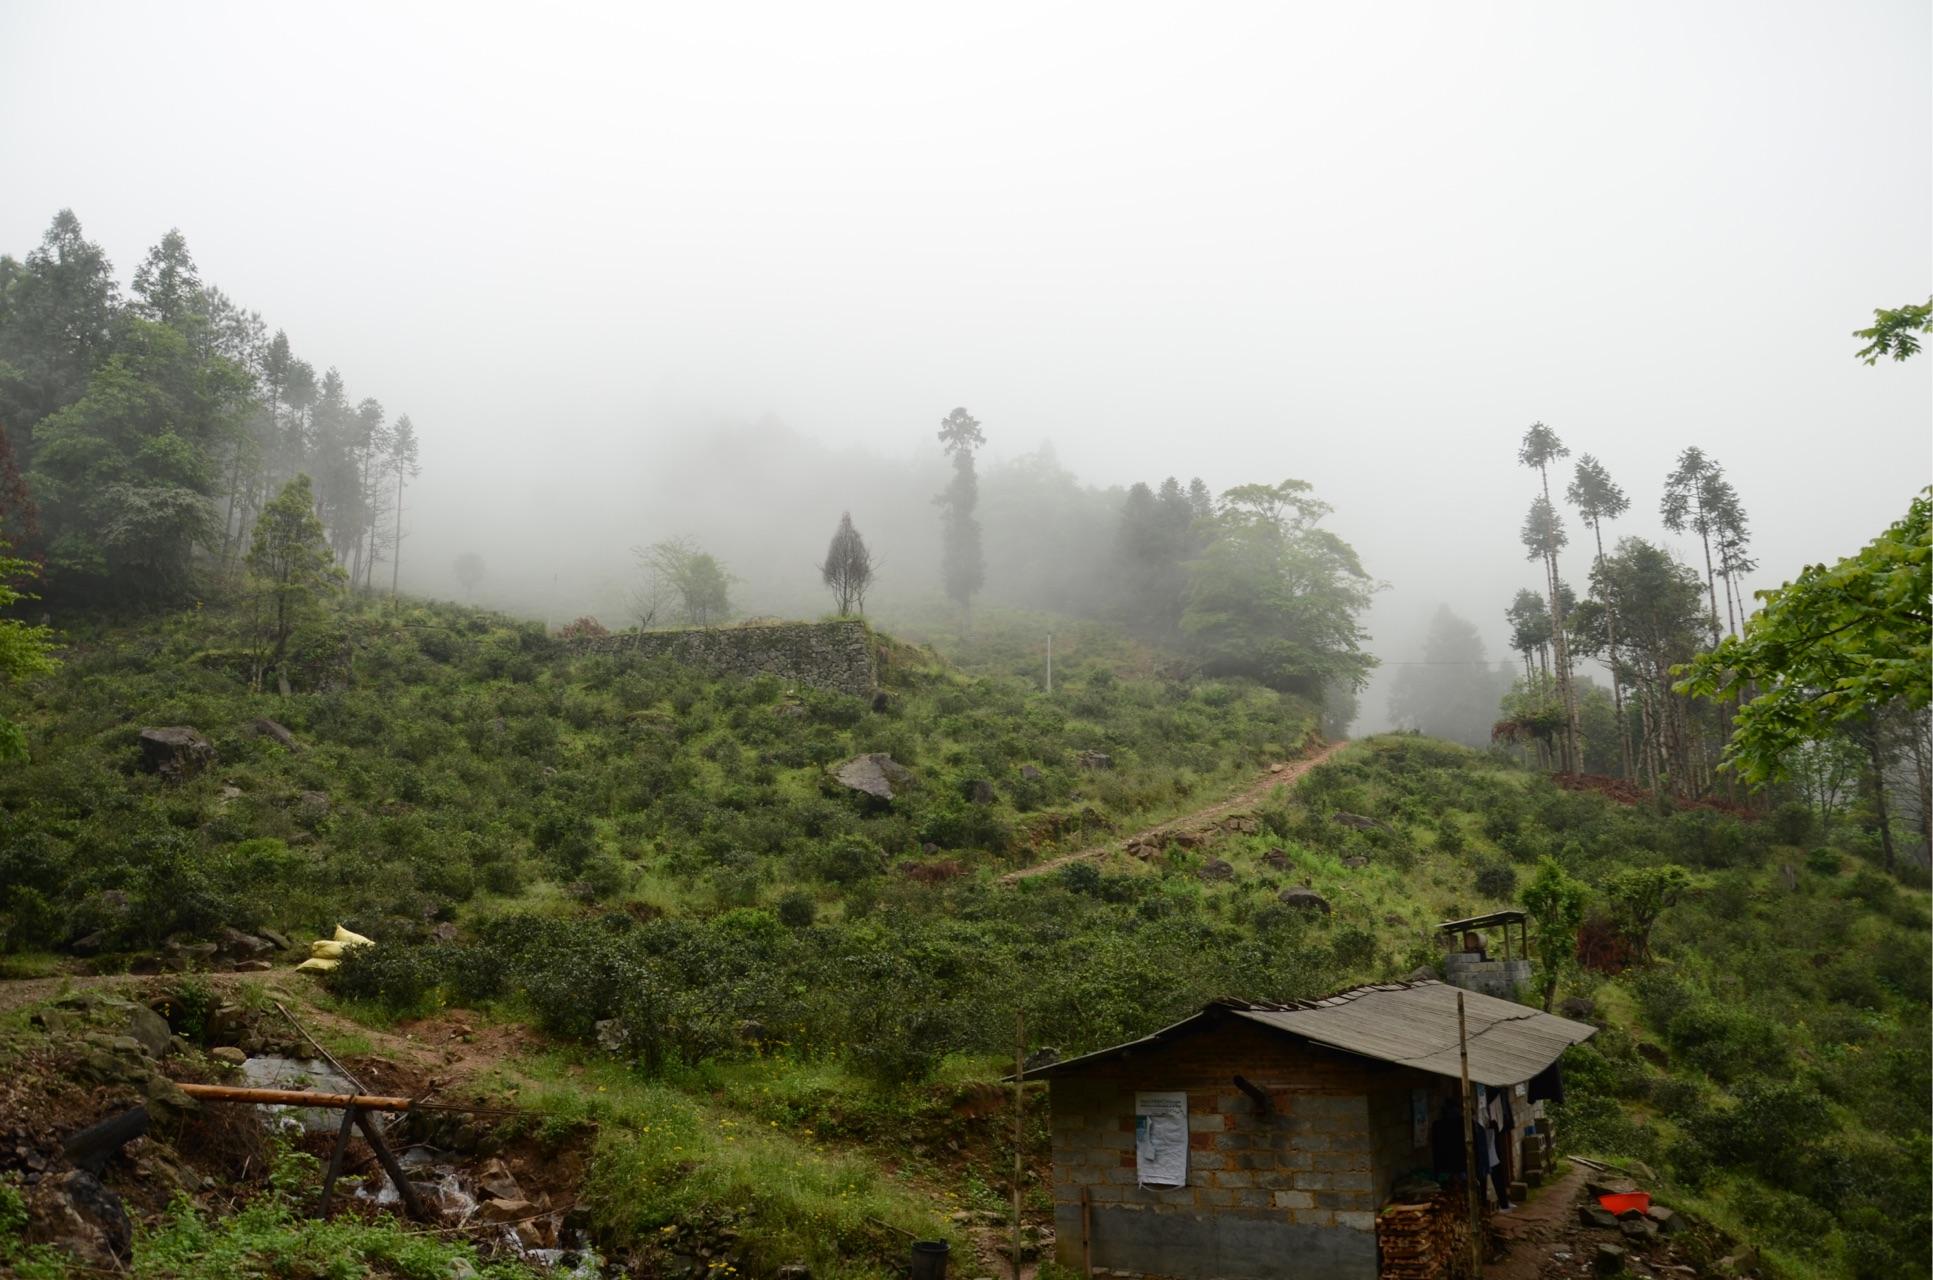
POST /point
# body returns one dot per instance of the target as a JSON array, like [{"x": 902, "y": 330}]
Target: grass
[{"x": 664, "y": 1158}]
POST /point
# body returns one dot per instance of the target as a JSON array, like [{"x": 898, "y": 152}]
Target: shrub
[
  {"x": 396, "y": 976},
  {"x": 1497, "y": 880},
  {"x": 796, "y": 909}
]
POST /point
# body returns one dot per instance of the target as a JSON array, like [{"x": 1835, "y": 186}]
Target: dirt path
[
  {"x": 1283, "y": 774},
  {"x": 1535, "y": 1231}
]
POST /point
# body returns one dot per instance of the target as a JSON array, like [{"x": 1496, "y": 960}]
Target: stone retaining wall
[{"x": 837, "y": 655}]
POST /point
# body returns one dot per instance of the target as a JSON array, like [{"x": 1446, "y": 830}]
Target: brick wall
[
  {"x": 1300, "y": 1182},
  {"x": 1500, "y": 978}
]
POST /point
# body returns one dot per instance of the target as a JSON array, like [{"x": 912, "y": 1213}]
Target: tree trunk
[
  {"x": 1877, "y": 759},
  {"x": 1573, "y": 736},
  {"x": 396, "y": 552}
]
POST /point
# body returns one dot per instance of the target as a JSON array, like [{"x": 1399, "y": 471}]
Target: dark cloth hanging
[
  {"x": 1446, "y": 1140},
  {"x": 1547, "y": 1085}
]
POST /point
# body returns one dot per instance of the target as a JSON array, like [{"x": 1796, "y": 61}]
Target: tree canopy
[{"x": 1827, "y": 648}]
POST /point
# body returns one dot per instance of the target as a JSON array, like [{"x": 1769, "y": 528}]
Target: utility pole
[
  {"x": 1050, "y": 664},
  {"x": 1019, "y": 1132},
  {"x": 1469, "y": 1142}
]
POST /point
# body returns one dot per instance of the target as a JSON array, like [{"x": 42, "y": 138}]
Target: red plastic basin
[{"x": 1624, "y": 1203}]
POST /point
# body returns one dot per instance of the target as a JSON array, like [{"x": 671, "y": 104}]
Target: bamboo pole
[
  {"x": 296, "y": 1097},
  {"x": 1019, "y": 1132},
  {"x": 1469, "y": 1143}
]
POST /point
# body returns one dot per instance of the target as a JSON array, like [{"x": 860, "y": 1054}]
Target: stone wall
[
  {"x": 838, "y": 656},
  {"x": 1299, "y": 1182}
]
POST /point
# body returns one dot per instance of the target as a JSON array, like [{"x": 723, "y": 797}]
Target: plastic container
[
  {"x": 1623, "y": 1203},
  {"x": 929, "y": 1260}
]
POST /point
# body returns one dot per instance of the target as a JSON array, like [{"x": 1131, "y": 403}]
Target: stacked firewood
[{"x": 1424, "y": 1240}]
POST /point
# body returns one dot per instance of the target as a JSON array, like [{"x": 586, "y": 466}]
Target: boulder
[
  {"x": 1422, "y": 973},
  {"x": 1096, "y": 760},
  {"x": 176, "y": 752},
  {"x": 977, "y": 791},
  {"x": 873, "y": 774},
  {"x": 1305, "y": 899},
  {"x": 1596, "y": 1215},
  {"x": 1276, "y": 860},
  {"x": 229, "y": 1054},
  {"x": 266, "y": 728},
  {"x": 1654, "y": 1054},
  {"x": 1578, "y": 1008},
  {"x": 83, "y": 1219},
  {"x": 1355, "y": 864},
  {"x": 246, "y": 945},
  {"x": 1357, "y": 821},
  {"x": 148, "y": 1029},
  {"x": 312, "y": 806},
  {"x": 1030, "y": 773},
  {"x": 1609, "y": 1260},
  {"x": 279, "y": 941},
  {"x": 1040, "y": 1059},
  {"x": 499, "y": 1210},
  {"x": 1216, "y": 869},
  {"x": 1639, "y": 1229}
]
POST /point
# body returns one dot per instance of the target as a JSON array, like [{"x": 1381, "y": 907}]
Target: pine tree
[
  {"x": 1693, "y": 492},
  {"x": 290, "y": 564},
  {"x": 403, "y": 465}
]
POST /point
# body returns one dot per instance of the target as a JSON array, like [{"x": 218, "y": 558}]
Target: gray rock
[
  {"x": 1305, "y": 899},
  {"x": 1580, "y": 1008},
  {"x": 75, "y": 1213},
  {"x": 1422, "y": 973},
  {"x": 230, "y": 1054},
  {"x": 1096, "y": 760},
  {"x": 1030, "y": 773},
  {"x": 312, "y": 805},
  {"x": 978, "y": 791},
  {"x": 279, "y": 941},
  {"x": 235, "y": 942},
  {"x": 1355, "y": 864},
  {"x": 1595, "y": 1215},
  {"x": 874, "y": 774},
  {"x": 1357, "y": 821},
  {"x": 1040, "y": 1059},
  {"x": 176, "y": 752},
  {"x": 1669, "y": 1221},
  {"x": 1276, "y": 859},
  {"x": 149, "y": 1030},
  {"x": 1609, "y": 1260},
  {"x": 1639, "y": 1229}
]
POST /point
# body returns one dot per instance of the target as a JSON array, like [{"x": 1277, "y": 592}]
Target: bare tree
[{"x": 848, "y": 570}]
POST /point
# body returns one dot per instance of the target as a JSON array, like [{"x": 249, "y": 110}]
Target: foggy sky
[{"x": 1360, "y": 245}]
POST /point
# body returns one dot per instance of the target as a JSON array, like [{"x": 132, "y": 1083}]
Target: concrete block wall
[
  {"x": 1298, "y": 1182},
  {"x": 836, "y": 655},
  {"x": 1499, "y": 978}
]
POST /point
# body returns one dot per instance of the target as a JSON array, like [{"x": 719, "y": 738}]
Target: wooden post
[
  {"x": 1019, "y": 1134},
  {"x": 1087, "y": 1233},
  {"x": 404, "y": 1188},
  {"x": 335, "y": 1158},
  {"x": 1470, "y": 1143}
]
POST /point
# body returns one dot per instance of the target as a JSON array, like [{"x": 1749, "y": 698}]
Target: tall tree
[
  {"x": 1453, "y": 692},
  {"x": 962, "y": 568},
  {"x": 1278, "y": 598},
  {"x": 696, "y": 577},
  {"x": 289, "y": 567},
  {"x": 1544, "y": 536},
  {"x": 1539, "y": 448},
  {"x": 1598, "y": 498},
  {"x": 1660, "y": 617},
  {"x": 1694, "y": 494},
  {"x": 1529, "y": 618},
  {"x": 848, "y": 568},
  {"x": 469, "y": 572},
  {"x": 404, "y": 465},
  {"x": 57, "y": 312},
  {"x": 168, "y": 287},
  {"x": 1734, "y": 550}
]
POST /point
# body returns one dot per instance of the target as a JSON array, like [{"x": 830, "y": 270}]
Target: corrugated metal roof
[
  {"x": 1410, "y": 1024},
  {"x": 1484, "y": 922}
]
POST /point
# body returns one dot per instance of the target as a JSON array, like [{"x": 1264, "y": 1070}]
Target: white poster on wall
[{"x": 1161, "y": 1139}]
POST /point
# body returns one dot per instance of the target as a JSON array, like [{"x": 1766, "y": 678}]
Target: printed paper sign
[{"x": 1161, "y": 1139}]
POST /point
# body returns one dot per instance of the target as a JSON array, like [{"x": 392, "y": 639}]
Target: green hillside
[{"x": 746, "y": 1006}]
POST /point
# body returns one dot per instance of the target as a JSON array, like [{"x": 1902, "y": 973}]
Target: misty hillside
[{"x": 1011, "y": 643}]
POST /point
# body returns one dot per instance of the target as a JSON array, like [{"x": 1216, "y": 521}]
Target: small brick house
[{"x": 1299, "y": 1119}]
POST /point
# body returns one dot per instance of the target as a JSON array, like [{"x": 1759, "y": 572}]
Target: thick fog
[{"x": 720, "y": 272}]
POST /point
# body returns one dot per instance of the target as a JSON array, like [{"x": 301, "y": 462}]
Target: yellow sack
[
  {"x": 316, "y": 964},
  {"x": 322, "y": 950},
  {"x": 349, "y": 939}
]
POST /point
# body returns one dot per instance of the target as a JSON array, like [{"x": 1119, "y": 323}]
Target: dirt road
[{"x": 1283, "y": 774}]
